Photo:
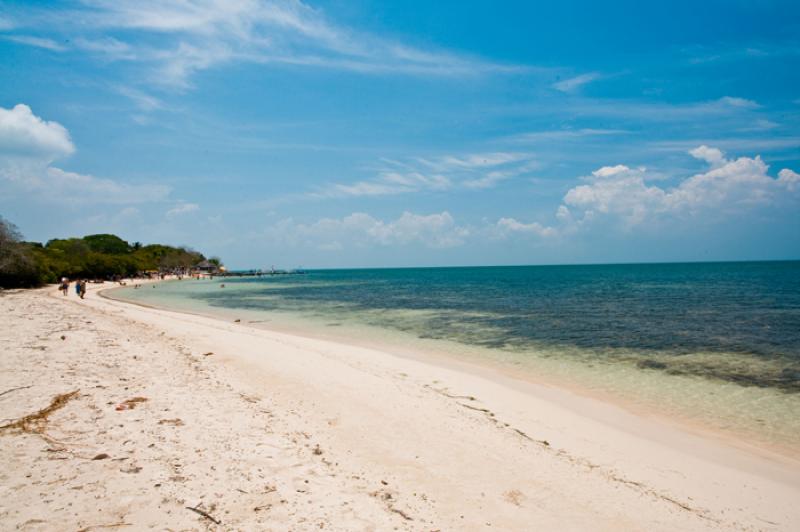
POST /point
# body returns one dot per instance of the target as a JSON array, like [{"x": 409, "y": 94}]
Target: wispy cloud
[
  {"x": 181, "y": 38},
  {"x": 108, "y": 47},
  {"x": 699, "y": 55},
  {"x": 437, "y": 230},
  {"x": 182, "y": 208},
  {"x": 736, "y": 144},
  {"x": 565, "y": 134},
  {"x": 573, "y": 84},
  {"x": 470, "y": 171},
  {"x": 744, "y": 103},
  {"x": 143, "y": 101},
  {"x": 660, "y": 111},
  {"x": 38, "y": 42}
]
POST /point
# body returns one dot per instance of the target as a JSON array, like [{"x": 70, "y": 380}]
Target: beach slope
[{"x": 117, "y": 415}]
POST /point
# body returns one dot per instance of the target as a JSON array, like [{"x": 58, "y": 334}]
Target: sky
[{"x": 365, "y": 133}]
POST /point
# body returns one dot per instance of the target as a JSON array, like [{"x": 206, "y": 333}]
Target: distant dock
[{"x": 259, "y": 273}]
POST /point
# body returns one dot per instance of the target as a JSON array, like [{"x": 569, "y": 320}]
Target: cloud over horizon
[{"x": 728, "y": 188}]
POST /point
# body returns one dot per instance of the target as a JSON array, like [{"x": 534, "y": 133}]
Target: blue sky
[{"x": 363, "y": 133}]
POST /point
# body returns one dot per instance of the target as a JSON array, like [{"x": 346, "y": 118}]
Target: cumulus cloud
[
  {"x": 729, "y": 186},
  {"x": 28, "y": 147},
  {"x": 358, "y": 229},
  {"x": 508, "y": 226},
  {"x": 23, "y": 134},
  {"x": 789, "y": 179},
  {"x": 712, "y": 156}
]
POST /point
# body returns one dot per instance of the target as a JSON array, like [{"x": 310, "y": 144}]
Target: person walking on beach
[
  {"x": 64, "y": 285},
  {"x": 78, "y": 287},
  {"x": 82, "y": 290}
]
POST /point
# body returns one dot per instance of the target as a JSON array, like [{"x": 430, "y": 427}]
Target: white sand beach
[{"x": 184, "y": 422}]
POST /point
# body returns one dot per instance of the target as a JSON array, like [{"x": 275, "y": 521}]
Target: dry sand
[{"x": 260, "y": 430}]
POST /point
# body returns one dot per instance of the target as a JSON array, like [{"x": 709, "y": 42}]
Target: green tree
[
  {"x": 17, "y": 265},
  {"x": 100, "y": 256},
  {"x": 105, "y": 243}
]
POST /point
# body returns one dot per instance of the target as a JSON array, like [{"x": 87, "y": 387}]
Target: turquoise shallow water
[{"x": 717, "y": 342}]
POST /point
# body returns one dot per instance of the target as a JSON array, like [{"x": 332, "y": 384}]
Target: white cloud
[
  {"x": 471, "y": 171},
  {"x": 507, "y": 226},
  {"x": 608, "y": 171},
  {"x": 449, "y": 163},
  {"x": 108, "y": 47},
  {"x": 87, "y": 188},
  {"x": 359, "y": 230},
  {"x": 737, "y": 110},
  {"x": 735, "y": 144},
  {"x": 615, "y": 190},
  {"x": 38, "y": 42},
  {"x": 739, "y": 102},
  {"x": 573, "y": 84},
  {"x": 28, "y": 147},
  {"x": 565, "y": 134},
  {"x": 712, "y": 156},
  {"x": 23, "y": 134},
  {"x": 143, "y": 101},
  {"x": 761, "y": 124},
  {"x": 182, "y": 208},
  {"x": 729, "y": 187},
  {"x": 490, "y": 180},
  {"x": 789, "y": 179},
  {"x": 54, "y": 185},
  {"x": 184, "y": 37}
]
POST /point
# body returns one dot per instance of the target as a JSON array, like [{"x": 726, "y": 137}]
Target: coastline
[
  {"x": 570, "y": 392},
  {"x": 484, "y": 450}
]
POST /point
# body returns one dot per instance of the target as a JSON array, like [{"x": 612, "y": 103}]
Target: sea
[{"x": 716, "y": 345}]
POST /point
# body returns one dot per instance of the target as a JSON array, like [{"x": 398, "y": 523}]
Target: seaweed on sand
[{"x": 36, "y": 423}]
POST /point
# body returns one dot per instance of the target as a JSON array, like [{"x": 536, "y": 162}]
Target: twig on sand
[
  {"x": 15, "y": 389},
  {"x": 112, "y": 525},
  {"x": 205, "y": 514},
  {"x": 401, "y": 513}
]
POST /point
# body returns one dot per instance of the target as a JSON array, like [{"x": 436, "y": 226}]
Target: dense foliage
[{"x": 104, "y": 256}]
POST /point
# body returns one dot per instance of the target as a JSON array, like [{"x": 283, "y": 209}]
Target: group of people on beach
[{"x": 80, "y": 287}]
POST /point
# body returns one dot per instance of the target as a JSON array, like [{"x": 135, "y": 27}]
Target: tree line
[{"x": 103, "y": 256}]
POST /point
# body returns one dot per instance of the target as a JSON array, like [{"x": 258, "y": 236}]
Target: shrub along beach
[{"x": 101, "y": 257}]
